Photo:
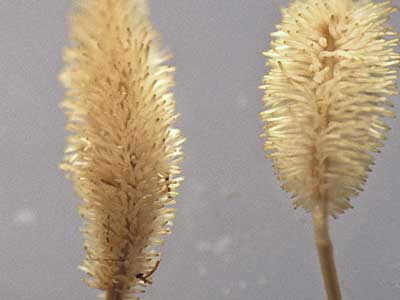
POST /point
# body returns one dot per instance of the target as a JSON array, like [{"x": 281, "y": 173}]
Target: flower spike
[
  {"x": 123, "y": 152},
  {"x": 326, "y": 99}
]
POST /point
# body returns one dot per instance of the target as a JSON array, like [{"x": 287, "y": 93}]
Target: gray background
[{"x": 236, "y": 235}]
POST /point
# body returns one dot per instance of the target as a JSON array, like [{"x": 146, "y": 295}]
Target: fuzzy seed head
[
  {"x": 123, "y": 152},
  {"x": 326, "y": 97}
]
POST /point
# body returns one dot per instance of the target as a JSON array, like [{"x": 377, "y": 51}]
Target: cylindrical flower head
[
  {"x": 326, "y": 97},
  {"x": 123, "y": 153}
]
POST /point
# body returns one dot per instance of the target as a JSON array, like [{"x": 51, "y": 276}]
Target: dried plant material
[
  {"x": 123, "y": 153},
  {"x": 326, "y": 97}
]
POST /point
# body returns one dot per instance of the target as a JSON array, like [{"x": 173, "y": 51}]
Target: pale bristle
[
  {"x": 326, "y": 97},
  {"x": 123, "y": 153}
]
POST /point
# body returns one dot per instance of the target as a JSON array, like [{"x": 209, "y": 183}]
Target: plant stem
[
  {"x": 115, "y": 292},
  {"x": 325, "y": 251},
  {"x": 112, "y": 294}
]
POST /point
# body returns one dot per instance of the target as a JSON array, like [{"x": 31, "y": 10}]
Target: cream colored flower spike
[
  {"x": 331, "y": 69},
  {"x": 326, "y": 99},
  {"x": 123, "y": 152}
]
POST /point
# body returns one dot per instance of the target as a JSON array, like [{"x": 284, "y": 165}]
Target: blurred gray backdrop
[{"x": 236, "y": 235}]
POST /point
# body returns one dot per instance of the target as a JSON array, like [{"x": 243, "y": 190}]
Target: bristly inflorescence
[
  {"x": 326, "y": 97},
  {"x": 123, "y": 153}
]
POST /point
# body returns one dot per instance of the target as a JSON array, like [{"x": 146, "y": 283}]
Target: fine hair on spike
[
  {"x": 327, "y": 95},
  {"x": 123, "y": 152}
]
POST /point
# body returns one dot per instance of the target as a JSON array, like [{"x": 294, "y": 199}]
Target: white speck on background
[
  {"x": 242, "y": 100},
  {"x": 24, "y": 217},
  {"x": 228, "y": 258},
  {"x": 395, "y": 266},
  {"x": 262, "y": 280},
  {"x": 202, "y": 270},
  {"x": 229, "y": 193},
  {"x": 198, "y": 188},
  {"x": 226, "y": 291},
  {"x": 242, "y": 285},
  {"x": 396, "y": 284},
  {"x": 222, "y": 245},
  {"x": 203, "y": 246}
]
